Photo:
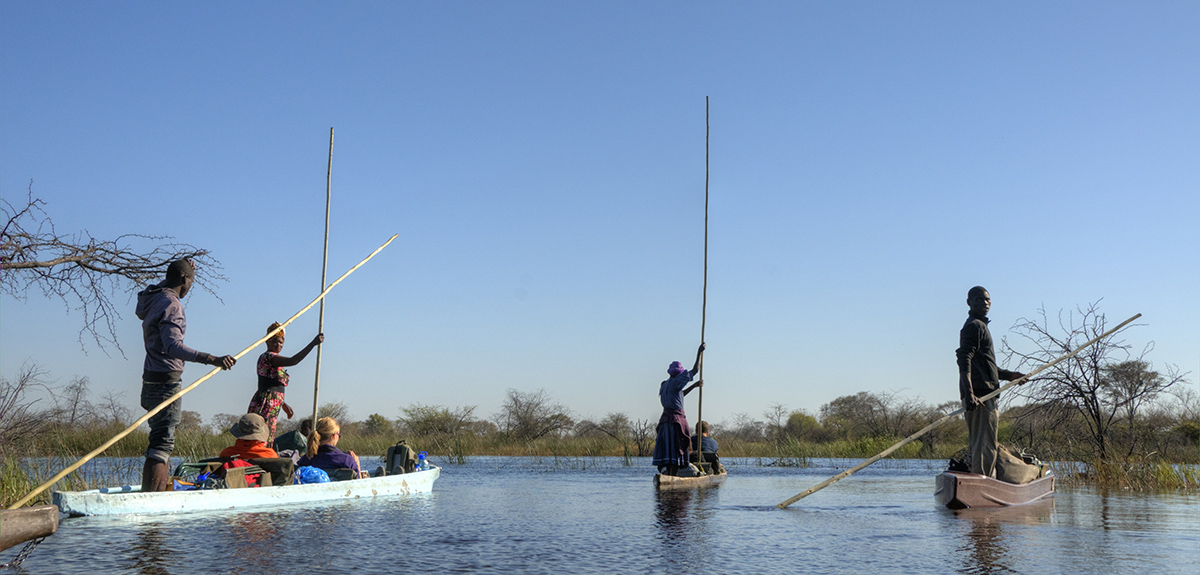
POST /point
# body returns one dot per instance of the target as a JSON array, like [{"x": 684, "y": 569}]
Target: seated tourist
[
  {"x": 707, "y": 448},
  {"x": 251, "y": 434},
  {"x": 295, "y": 442},
  {"x": 323, "y": 452}
]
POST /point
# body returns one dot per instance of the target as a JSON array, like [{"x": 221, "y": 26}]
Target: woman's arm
[
  {"x": 693, "y": 386},
  {"x": 285, "y": 361},
  {"x": 699, "y": 358}
]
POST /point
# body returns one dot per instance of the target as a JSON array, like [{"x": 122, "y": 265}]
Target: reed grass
[
  {"x": 47, "y": 454},
  {"x": 1133, "y": 475}
]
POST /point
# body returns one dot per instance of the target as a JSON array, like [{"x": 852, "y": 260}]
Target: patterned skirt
[{"x": 267, "y": 404}]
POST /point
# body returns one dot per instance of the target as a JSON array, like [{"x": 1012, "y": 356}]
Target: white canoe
[{"x": 129, "y": 500}]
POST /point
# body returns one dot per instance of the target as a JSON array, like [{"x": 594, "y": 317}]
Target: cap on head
[
  {"x": 251, "y": 427},
  {"x": 180, "y": 269},
  {"x": 975, "y": 292}
]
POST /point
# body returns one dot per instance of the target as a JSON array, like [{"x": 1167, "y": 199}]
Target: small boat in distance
[
  {"x": 129, "y": 500},
  {"x": 676, "y": 482},
  {"x": 962, "y": 490}
]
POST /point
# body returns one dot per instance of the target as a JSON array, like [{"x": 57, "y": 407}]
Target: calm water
[{"x": 520, "y": 515}]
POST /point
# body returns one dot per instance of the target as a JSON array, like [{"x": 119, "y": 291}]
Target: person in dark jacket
[
  {"x": 163, "y": 329},
  {"x": 977, "y": 377}
]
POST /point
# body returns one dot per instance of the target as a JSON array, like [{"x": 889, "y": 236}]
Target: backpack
[{"x": 400, "y": 459}]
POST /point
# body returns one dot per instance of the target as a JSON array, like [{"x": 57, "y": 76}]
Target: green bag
[{"x": 401, "y": 458}]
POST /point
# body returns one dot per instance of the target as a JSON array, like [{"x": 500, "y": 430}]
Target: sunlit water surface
[{"x": 596, "y": 515}]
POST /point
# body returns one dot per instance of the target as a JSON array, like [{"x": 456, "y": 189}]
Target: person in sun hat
[
  {"x": 250, "y": 433},
  {"x": 673, "y": 441}
]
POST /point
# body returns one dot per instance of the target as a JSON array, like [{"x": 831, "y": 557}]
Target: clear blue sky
[{"x": 544, "y": 166}]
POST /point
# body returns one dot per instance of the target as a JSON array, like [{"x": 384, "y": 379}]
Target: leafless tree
[
  {"x": 83, "y": 271},
  {"x": 643, "y": 432},
  {"x": 72, "y": 402},
  {"x": 435, "y": 420},
  {"x": 1106, "y": 383},
  {"x": 530, "y": 415},
  {"x": 18, "y": 421}
]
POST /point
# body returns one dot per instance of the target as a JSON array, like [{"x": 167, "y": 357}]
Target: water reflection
[
  {"x": 986, "y": 547},
  {"x": 685, "y": 533},
  {"x": 151, "y": 550}
]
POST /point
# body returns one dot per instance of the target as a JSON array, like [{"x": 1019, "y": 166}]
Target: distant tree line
[{"x": 1106, "y": 404}]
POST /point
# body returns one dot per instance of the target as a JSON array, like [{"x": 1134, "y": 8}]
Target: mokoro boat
[
  {"x": 20, "y": 525},
  {"x": 961, "y": 490},
  {"x": 129, "y": 500},
  {"x": 674, "y": 482}
]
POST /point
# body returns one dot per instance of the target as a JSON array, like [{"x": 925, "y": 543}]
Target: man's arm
[
  {"x": 968, "y": 343},
  {"x": 170, "y": 329}
]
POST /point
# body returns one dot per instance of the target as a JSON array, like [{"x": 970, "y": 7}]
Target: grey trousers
[
  {"x": 981, "y": 429},
  {"x": 163, "y": 423}
]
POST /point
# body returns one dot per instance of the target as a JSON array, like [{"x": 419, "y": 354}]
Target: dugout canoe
[
  {"x": 20, "y": 525},
  {"x": 129, "y": 499},
  {"x": 960, "y": 490},
  {"x": 673, "y": 482}
]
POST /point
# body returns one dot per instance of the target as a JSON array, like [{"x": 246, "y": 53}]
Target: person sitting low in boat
[
  {"x": 707, "y": 448},
  {"x": 672, "y": 444},
  {"x": 323, "y": 452},
  {"x": 251, "y": 434},
  {"x": 295, "y": 442}
]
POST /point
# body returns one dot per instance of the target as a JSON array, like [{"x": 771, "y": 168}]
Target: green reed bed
[{"x": 1133, "y": 475}]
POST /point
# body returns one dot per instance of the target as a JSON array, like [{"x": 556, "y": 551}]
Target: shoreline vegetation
[
  {"x": 1146, "y": 445},
  {"x": 53, "y": 451}
]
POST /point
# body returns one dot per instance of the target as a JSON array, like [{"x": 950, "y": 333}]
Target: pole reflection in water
[
  {"x": 150, "y": 550},
  {"x": 986, "y": 547},
  {"x": 683, "y": 518},
  {"x": 251, "y": 535}
]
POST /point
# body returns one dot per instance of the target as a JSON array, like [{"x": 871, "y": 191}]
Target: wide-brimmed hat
[{"x": 251, "y": 426}]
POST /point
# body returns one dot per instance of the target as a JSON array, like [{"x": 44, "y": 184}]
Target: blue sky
[{"x": 544, "y": 166}]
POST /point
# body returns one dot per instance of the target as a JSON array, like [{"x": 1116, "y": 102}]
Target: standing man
[
  {"x": 163, "y": 327},
  {"x": 977, "y": 377}
]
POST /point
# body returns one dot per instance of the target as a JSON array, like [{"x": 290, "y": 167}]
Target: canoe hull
[
  {"x": 672, "y": 482},
  {"x": 958, "y": 490},
  {"x": 129, "y": 500},
  {"x": 20, "y": 525}
]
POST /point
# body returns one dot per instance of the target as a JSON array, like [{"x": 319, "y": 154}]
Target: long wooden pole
[
  {"x": 943, "y": 420},
  {"x": 324, "y": 266},
  {"x": 184, "y": 391},
  {"x": 704, "y": 296}
]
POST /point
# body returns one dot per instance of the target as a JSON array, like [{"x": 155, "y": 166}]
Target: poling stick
[
  {"x": 704, "y": 297},
  {"x": 324, "y": 265},
  {"x": 183, "y": 391},
  {"x": 943, "y": 420}
]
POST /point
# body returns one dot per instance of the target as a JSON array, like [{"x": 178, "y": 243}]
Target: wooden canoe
[
  {"x": 673, "y": 482},
  {"x": 960, "y": 490},
  {"x": 129, "y": 500},
  {"x": 20, "y": 525}
]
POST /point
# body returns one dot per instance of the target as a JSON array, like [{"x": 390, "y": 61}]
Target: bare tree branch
[{"x": 83, "y": 271}]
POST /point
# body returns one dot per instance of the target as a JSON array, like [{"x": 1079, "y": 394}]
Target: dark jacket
[{"x": 977, "y": 356}]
